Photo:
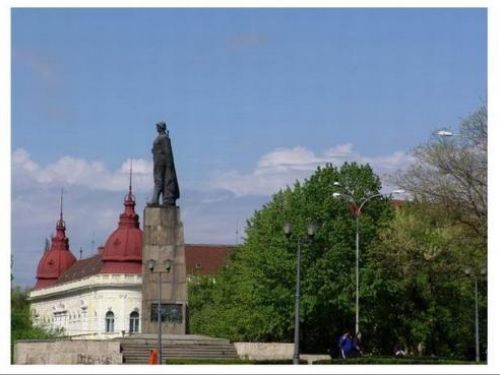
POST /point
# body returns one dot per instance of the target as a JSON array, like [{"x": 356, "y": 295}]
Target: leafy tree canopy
[
  {"x": 451, "y": 172},
  {"x": 417, "y": 293},
  {"x": 253, "y": 299}
]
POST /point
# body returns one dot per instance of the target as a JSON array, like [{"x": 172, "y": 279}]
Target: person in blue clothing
[{"x": 345, "y": 345}]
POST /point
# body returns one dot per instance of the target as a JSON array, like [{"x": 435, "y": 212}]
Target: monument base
[{"x": 165, "y": 284}]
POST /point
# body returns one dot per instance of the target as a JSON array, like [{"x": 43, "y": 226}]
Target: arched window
[
  {"x": 134, "y": 322},
  {"x": 110, "y": 321}
]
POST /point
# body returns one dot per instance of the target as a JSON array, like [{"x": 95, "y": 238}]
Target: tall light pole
[
  {"x": 358, "y": 207},
  {"x": 287, "y": 229},
  {"x": 151, "y": 266},
  {"x": 475, "y": 276}
]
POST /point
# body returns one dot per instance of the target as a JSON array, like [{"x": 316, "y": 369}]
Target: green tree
[
  {"x": 20, "y": 320},
  {"x": 419, "y": 292},
  {"x": 451, "y": 172},
  {"x": 253, "y": 299},
  {"x": 448, "y": 182}
]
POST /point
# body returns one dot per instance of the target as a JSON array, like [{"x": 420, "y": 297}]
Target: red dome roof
[
  {"x": 57, "y": 259},
  {"x": 123, "y": 250}
]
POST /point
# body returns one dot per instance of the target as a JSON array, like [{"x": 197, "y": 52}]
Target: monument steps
[{"x": 136, "y": 351}]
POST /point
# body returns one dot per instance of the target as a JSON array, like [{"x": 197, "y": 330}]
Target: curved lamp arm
[{"x": 367, "y": 199}]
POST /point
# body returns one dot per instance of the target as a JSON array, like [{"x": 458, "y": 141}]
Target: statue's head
[{"x": 161, "y": 126}]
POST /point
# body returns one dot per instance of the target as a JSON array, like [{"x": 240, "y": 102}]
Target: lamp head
[
  {"x": 311, "y": 230},
  {"x": 168, "y": 264},
  {"x": 151, "y": 264},
  {"x": 443, "y": 133},
  {"x": 287, "y": 229}
]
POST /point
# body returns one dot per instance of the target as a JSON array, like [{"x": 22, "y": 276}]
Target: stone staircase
[{"x": 136, "y": 349}]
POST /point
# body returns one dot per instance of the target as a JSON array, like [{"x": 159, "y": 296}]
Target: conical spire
[
  {"x": 62, "y": 194},
  {"x": 130, "y": 181},
  {"x": 129, "y": 217},
  {"x": 61, "y": 225}
]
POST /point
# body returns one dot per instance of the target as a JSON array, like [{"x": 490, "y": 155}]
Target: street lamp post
[
  {"x": 475, "y": 276},
  {"x": 358, "y": 207},
  {"x": 151, "y": 266},
  {"x": 287, "y": 229}
]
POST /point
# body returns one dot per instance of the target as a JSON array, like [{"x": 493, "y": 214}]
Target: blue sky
[{"x": 253, "y": 99}]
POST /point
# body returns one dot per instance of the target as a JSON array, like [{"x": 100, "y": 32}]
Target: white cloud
[
  {"x": 73, "y": 171},
  {"x": 283, "y": 166},
  {"x": 21, "y": 159},
  {"x": 273, "y": 171},
  {"x": 295, "y": 158}
]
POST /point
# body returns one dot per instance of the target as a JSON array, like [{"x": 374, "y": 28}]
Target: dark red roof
[
  {"x": 206, "y": 259},
  {"x": 200, "y": 260},
  {"x": 81, "y": 269}
]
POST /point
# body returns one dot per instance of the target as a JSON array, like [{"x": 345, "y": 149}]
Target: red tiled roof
[
  {"x": 81, "y": 269},
  {"x": 200, "y": 260},
  {"x": 206, "y": 259}
]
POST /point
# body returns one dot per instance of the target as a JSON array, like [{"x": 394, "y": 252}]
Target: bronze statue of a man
[{"x": 165, "y": 178}]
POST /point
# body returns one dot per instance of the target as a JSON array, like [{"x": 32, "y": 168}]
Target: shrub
[
  {"x": 380, "y": 360},
  {"x": 231, "y": 361}
]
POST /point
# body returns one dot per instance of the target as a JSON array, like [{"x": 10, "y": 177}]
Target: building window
[
  {"x": 110, "y": 321},
  {"x": 134, "y": 322}
]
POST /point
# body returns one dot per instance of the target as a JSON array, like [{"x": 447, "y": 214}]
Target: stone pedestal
[{"x": 164, "y": 239}]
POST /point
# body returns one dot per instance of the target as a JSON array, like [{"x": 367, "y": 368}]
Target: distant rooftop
[{"x": 201, "y": 259}]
